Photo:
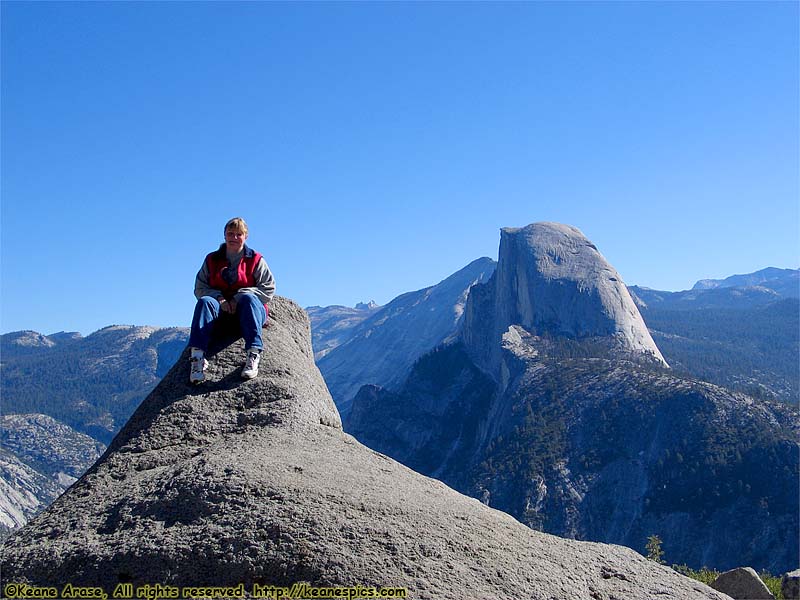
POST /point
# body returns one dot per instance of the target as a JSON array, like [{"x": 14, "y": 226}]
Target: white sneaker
[
  {"x": 250, "y": 369},
  {"x": 198, "y": 366}
]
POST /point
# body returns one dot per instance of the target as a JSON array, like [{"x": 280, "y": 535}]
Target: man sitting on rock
[{"x": 234, "y": 281}]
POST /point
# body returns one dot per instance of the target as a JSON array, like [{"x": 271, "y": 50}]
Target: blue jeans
[{"x": 249, "y": 310}]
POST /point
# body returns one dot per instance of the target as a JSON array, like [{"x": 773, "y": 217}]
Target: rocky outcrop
[
  {"x": 742, "y": 583},
  {"x": 552, "y": 281},
  {"x": 255, "y": 483},
  {"x": 23, "y": 492},
  {"x": 24, "y": 342},
  {"x": 51, "y": 447},
  {"x": 790, "y": 585},
  {"x": 382, "y": 348}
]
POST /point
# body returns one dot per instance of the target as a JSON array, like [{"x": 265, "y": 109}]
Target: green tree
[{"x": 654, "y": 550}]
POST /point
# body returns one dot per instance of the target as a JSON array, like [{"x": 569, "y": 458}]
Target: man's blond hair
[{"x": 236, "y": 223}]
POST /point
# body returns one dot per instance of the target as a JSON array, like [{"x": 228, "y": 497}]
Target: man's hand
[{"x": 228, "y": 306}]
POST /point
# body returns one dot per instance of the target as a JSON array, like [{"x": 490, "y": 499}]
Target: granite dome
[{"x": 551, "y": 280}]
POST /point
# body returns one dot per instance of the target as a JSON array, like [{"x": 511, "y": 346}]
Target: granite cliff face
[
  {"x": 556, "y": 407},
  {"x": 552, "y": 281},
  {"x": 255, "y": 483}
]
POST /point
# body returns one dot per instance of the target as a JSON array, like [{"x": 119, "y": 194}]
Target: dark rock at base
[
  {"x": 742, "y": 584},
  {"x": 790, "y": 585}
]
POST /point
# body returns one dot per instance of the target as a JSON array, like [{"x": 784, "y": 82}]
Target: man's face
[{"x": 234, "y": 239}]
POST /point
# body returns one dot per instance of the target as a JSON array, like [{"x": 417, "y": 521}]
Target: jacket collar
[{"x": 222, "y": 252}]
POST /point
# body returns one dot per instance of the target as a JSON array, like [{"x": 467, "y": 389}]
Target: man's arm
[
  {"x": 264, "y": 288},
  {"x": 201, "y": 286}
]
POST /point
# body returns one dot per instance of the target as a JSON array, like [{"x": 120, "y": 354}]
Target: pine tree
[{"x": 654, "y": 551}]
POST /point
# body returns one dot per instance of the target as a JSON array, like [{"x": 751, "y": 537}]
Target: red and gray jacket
[{"x": 252, "y": 276}]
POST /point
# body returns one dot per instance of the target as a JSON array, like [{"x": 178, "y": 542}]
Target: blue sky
[{"x": 376, "y": 148}]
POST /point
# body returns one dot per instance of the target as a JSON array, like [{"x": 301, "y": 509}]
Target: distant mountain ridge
[
  {"x": 750, "y": 349},
  {"x": 745, "y": 338},
  {"x": 21, "y": 343},
  {"x": 785, "y": 282},
  {"x": 92, "y": 384},
  {"x": 331, "y": 326},
  {"x": 64, "y": 397},
  {"x": 709, "y": 333},
  {"x": 382, "y": 348}
]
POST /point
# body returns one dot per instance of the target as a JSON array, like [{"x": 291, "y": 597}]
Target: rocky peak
[
  {"x": 552, "y": 281},
  {"x": 20, "y": 343},
  {"x": 26, "y": 338},
  {"x": 367, "y": 305},
  {"x": 224, "y": 404},
  {"x": 255, "y": 483}
]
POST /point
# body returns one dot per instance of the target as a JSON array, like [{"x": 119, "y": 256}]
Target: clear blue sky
[{"x": 376, "y": 148}]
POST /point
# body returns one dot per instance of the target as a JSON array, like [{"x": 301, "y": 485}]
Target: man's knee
[
  {"x": 247, "y": 301},
  {"x": 207, "y": 305},
  {"x": 249, "y": 304},
  {"x": 209, "y": 301}
]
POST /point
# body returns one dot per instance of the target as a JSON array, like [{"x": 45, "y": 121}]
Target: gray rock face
[
  {"x": 742, "y": 584},
  {"x": 382, "y": 348},
  {"x": 790, "y": 585},
  {"x": 255, "y": 483},
  {"x": 551, "y": 280},
  {"x": 24, "y": 491}
]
